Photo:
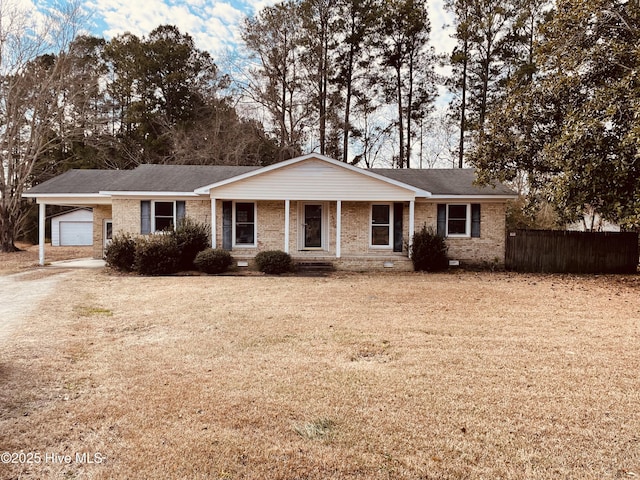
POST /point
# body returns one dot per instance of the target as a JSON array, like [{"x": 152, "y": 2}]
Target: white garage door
[{"x": 76, "y": 233}]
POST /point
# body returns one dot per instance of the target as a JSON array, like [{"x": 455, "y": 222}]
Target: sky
[{"x": 214, "y": 25}]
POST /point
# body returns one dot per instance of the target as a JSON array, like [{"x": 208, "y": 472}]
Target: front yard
[
  {"x": 28, "y": 256},
  {"x": 454, "y": 376}
]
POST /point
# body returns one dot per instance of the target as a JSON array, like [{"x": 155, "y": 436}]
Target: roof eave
[
  {"x": 449, "y": 196},
  {"x": 121, "y": 193},
  {"x": 71, "y": 199}
]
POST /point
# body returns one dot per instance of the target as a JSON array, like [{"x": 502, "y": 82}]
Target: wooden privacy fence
[{"x": 571, "y": 252}]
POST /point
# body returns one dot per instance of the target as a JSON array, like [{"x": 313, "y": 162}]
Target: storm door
[{"x": 312, "y": 226}]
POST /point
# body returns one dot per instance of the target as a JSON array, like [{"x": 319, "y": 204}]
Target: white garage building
[{"x": 74, "y": 228}]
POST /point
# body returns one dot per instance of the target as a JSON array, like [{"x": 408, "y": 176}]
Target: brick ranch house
[{"x": 313, "y": 207}]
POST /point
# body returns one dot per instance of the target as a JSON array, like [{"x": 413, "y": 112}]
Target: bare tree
[
  {"x": 276, "y": 81},
  {"x": 408, "y": 64},
  {"x": 32, "y": 80},
  {"x": 438, "y": 151}
]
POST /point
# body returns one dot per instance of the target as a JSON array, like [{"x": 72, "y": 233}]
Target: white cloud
[
  {"x": 254, "y": 6},
  {"x": 226, "y": 12},
  {"x": 441, "y": 22},
  {"x": 212, "y": 24}
]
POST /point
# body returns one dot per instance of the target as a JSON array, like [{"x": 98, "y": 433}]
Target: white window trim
[
  {"x": 255, "y": 225},
  {"x": 106, "y": 241},
  {"x": 324, "y": 232},
  {"x": 153, "y": 215},
  {"x": 467, "y": 222},
  {"x": 391, "y": 223}
]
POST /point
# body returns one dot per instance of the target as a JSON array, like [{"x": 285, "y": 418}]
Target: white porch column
[
  {"x": 338, "y": 228},
  {"x": 287, "y": 226},
  {"x": 42, "y": 216},
  {"x": 213, "y": 223},
  {"x": 412, "y": 221}
]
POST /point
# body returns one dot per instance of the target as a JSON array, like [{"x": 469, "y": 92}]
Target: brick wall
[
  {"x": 100, "y": 214},
  {"x": 270, "y": 220},
  {"x": 199, "y": 210},
  {"x": 126, "y": 216},
  {"x": 270, "y": 224},
  {"x": 426, "y": 213},
  {"x": 356, "y": 226},
  {"x": 489, "y": 247},
  {"x": 355, "y": 238}
]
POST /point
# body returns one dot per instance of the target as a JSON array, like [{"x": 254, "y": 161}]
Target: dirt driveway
[
  {"x": 24, "y": 285},
  {"x": 22, "y": 293}
]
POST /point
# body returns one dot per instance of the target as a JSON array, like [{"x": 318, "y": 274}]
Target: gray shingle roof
[
  {"x": 145, "y": 178},
  {"x": 445, "y": 181},
  {"x": 177, "y": 178},
  {"x": 187, "y": 178},
  {"x": 81, "y": 181}
]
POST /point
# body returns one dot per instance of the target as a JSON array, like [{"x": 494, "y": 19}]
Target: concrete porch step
[{"x": 314, "y": 266}]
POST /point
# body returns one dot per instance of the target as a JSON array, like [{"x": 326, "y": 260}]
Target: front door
[
  {"x": 107, "y": 233},
  {"x": 313, "y": 226}
]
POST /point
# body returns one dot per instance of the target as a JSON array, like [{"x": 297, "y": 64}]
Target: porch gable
[{"x": 313, "y": 178}]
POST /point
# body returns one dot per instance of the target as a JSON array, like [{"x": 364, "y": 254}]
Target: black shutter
[
  {"x": 442, "y": 220},
  {"x": 227, "y": 227},
  {"x": 145, "y": 217},
  {"x": 398, "y": 210},
  {"x": 181, "y": 211},
  {"x": 475, "y": 220}
]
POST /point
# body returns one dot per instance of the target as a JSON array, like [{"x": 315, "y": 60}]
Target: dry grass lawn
[
  {"x": 27, "y": 257},
  {"x": 411, "y": 376}
]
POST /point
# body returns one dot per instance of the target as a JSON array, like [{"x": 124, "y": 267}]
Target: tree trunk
[
  {"x": 347, "y": 107},
  {"x": 7, "y": 232},
  {"x": 409, "y": 114},
  {"x": 463, "y": 106},
  {"x": 400, "y": 117}
]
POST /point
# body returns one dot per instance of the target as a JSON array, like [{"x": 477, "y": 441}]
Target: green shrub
[
  {"x": 157, "y": 255},
  {"x": 191, "y": 237},
  {"x": 213, "y": 260},
  {"x": 121, "y": 252},
  {"x": 274, "y": 262},
  {"x": 429, "y": 251}
]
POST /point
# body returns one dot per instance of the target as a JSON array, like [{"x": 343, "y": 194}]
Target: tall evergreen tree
[
  {"x": 574, "y": 129},
  {"x": 404, "y": 38},
  {"x": 318, "y": 42},
  {"x": 460, "y": 58},
  {"x": 480, "y": 62}
]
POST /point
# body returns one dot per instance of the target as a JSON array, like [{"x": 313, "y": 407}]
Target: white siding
[
  {"x": 73, "y": 228},
  {"x": 313, "y": 180}
]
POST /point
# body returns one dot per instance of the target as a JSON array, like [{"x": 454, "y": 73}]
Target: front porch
[{"x": 353, "y": 235}]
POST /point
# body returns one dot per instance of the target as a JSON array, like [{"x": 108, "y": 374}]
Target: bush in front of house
[
  {"x": 121, "y": 252},
  {"x": 213, "y": 260},
  {"x": 429, "y": 251},
  {"x": 156, "y": 255},
  {"x": 191, "y": 237},
  {"x": 274, "y": 262}
]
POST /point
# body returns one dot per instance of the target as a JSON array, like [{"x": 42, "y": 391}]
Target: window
[
  {"x": 381, "y": 222},
  {"x": 457, "y": 220},
  {"x": 158, "y": 216},
  {"x": 245, "y": 223},
  {"x": 163, "y": 216}
]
